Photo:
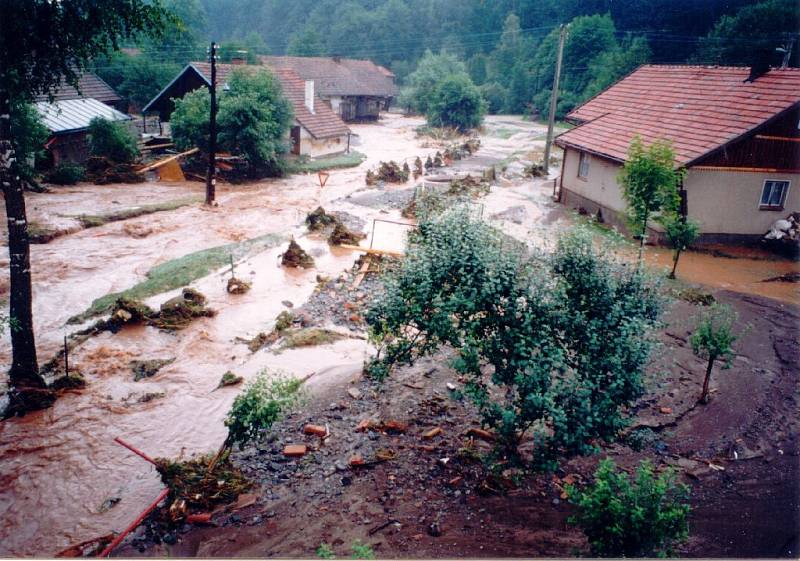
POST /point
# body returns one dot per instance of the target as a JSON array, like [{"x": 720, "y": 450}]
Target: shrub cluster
[
  {"x": 112, "y": 140},
  {"x": 66, "y": 173},
  {"x": 553, "y": 346}
]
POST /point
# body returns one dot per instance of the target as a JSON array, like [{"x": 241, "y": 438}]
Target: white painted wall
[
  {"x": 310, "y": 146},
  {"x": 726, "y": 202}
]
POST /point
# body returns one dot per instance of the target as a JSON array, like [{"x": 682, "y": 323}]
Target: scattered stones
[
  {"x": 178, "y": 312},
  {"x": 355, "y": 393}
]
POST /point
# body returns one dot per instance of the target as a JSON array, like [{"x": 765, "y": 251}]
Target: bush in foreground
[
  {"x": 624, "y": 517},
  {"x": 112, "y": 140},
  {"x": 552, "y": 346}
]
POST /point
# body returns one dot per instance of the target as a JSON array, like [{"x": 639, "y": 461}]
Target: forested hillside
[{"x": 507, "y": 46}]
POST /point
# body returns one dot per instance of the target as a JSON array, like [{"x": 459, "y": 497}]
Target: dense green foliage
[
  {"x": 262, "y": 402},
  {"x": 713, "y": 340},
  {"x": 138, "y": 79},
  {"x": 510, "y": 44},
  {"x": 680, "y": 232},
  {"x": 642, "y": 517},
  {"x": 252, "y": 120},
  {"x": 649, "y": 181},
  {"x": 563, "y": 338},
  {"x": 112, "y": 140},
  {"x": 455, "y": 102},
  {"x": 432, "y": 69},
  {"x": 28, "y": 135},
  {"x": 66, "y": 173}
]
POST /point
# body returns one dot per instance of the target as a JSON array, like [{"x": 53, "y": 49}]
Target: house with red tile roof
[
  {"x": 316, "y": 130},
  {"x": 737, "y": 138},
  {"x": 357, "y": 90}
]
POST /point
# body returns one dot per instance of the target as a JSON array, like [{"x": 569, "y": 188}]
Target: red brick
[
  {"x": 481, "y": 434},
  {"x": 356, "y": 461},
  {"x": 316, "y": 430},
  {"x": 295, "y": 450},
  {"x": 432, "y": 433}
]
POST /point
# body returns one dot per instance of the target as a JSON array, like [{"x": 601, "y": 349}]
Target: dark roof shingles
[{"x": 90, "y": 86}]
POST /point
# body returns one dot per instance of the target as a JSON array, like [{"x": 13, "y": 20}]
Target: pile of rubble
[{"x": 784, "y": 235}]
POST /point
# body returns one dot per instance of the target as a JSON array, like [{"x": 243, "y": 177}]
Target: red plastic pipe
[
  {"x": 136, "y": 451},
  {"x": 129, "y": 529}
]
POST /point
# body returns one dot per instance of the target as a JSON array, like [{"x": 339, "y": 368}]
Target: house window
[
  {"x": 583, "y": 166},
  {"x": 773, "y": 195}
]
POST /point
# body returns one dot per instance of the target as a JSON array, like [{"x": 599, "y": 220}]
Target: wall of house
[
  {"x": 597, "y": 191},
  {"x": 313, "y": 147},
  {"x": 726, "y": 202},
  {"x": 73, "y": 147}
]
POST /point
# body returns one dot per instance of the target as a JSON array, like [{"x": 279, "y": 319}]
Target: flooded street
[{"x": 63, "y": 479}]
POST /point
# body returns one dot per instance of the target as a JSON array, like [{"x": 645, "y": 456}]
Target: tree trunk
[
  {"x": 641, "y": 242},
  {"x": 675, "y": 258},
  {"x": 24, "y": 374},
  {"x": 704, "y": 395}
]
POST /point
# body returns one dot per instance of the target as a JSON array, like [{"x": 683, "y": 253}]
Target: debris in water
[
  {"x": 418, "y": 170},
  {"x": 342, "y": 235},
  {"x": 310, "y": 337},
  {"x": 176, "y": 313},
  {"x": 786, "y": 277},
  {"x": 696, "y": 296},
  {"x": 319, "y": 219},
  {"x": 190, "y": 489},
  {"x": 229, "y": 379},
  {"x": 390, "y": 172},
  {"x": 468, "y": 186},
  {"x": 148, "y": 368},
  {"x": 72, "y": 381},
  {"x": 296, "y": 256},
  {"x": 237, "y": 286},
  {"x": 89, "y": 548}
]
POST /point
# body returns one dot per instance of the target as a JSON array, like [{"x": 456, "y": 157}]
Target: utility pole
[
  {"x": 211, "y": 180},
  {"x": 554, "y": 98}
]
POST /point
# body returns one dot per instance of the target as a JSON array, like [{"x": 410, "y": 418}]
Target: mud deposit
[
  {"x": 63, "y": 480},
  {"x": 418, "y": 497}
]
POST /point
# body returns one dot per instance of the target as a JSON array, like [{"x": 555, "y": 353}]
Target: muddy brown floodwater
[{"x": 62, "y": 478}]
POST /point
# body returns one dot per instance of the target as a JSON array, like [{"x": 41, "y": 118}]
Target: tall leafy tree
[
  {"x": 431, "y": 70},
  {"x": 456, "y": 102},
  {"x": 305, "y": 43},
  {"x": 649, "y": 181},
  {"x": 40, "y": 42}
]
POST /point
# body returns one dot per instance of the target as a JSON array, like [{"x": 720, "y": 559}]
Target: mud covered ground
[
  {"x": 432, "y": 498},
  {"x": 64, "y": 480}
]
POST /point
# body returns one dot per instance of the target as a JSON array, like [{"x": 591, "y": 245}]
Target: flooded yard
[{"x": 62, "y": 477}]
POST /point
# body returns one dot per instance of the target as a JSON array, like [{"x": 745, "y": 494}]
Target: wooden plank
[
  {"x": 750, "y": 170},
  {"x": 779, "y": 138},
  {"x": 160, "y": 163},
  {"x": 370, "y": 251},
  {"x": 362, "y": 272}
]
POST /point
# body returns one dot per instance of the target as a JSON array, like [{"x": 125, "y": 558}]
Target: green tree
[
  {"x": 680, "y": 232},
  {"x": 137, "y": 78},
  {"x": 253, "y": 119},
  {"x": 29, "y": 135},
  {"x": 610, "y": 66},
  {"x": 112, "y": 140},
  {"x": 713, "y": 340},
  {"x": 621, "y": 517},
  {"x": 421, "y": 83},
  {"x": 526, "y": 331},
  {"x": 495, "y": 97},
  {"x": 649, "y": 181},
  {"x": 456, "y": 102},
  {"x": 41, "y": 43},
  {"x": 305, "y": 43},
  {"x": 751, "y": 35}
]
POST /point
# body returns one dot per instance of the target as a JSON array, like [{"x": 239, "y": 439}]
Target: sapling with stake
[{"x": 713, "y": 340}]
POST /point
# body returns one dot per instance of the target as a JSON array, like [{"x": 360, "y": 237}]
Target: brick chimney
[{"x": 310, "y": 95}]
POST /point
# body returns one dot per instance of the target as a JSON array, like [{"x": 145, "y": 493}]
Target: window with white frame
[
  {"x": 773, "y": 195},
  {"x": 583, "y": 166}
]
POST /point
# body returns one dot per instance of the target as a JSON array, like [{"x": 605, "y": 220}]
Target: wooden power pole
[
  {"x": 211, "y": 180},
  {"x": 554, "y": 98}
]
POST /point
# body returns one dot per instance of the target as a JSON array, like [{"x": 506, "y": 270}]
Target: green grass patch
[
  {"x": 94, "y": 220},
  {"x": 337, "y": 161},
  {"x": 181, "y": 272},
  {"x": 310, "y": 337}
]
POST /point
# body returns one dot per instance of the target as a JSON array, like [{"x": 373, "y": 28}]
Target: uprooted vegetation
[
  {"x": 200, "y": 484},
  {"x": 389, "y": 172},
  {"x": 179, "y": 272},
  {"x": 297, "y": 257},
  {"x": 531, "y": 317},
  {"x": 318, "y": 220}
]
